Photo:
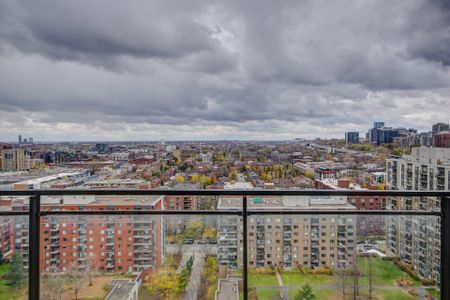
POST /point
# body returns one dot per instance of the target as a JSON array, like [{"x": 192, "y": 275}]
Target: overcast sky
[{"x": 201, "y": 70}]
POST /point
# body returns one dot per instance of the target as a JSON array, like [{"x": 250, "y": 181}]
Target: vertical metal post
[
  {"x": 34, "y": 248},
  {"x": 445, "y": 248},
  {"x": 245, "y": 246}
]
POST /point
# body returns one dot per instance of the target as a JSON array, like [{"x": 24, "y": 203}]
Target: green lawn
[
  {"x": 6, "y": 293},
  {"x": 262, "y": 280},
  {"x": 392, "y": 295},
  {"x": 385, "y": 272},
  {"x": 433, "y": 292},
  {"x": 320, "y": 293},
  {"x": 266, "y": 294},
  {"x": 296, "y": 278}
]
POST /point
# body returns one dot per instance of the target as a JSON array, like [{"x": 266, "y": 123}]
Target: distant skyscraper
[
  {"x": 30, "y": 140},
  {"x": 438, "y": 127},
  {"x": 380, "y": 134},
  {"x": 20, "y": 139},
  {"x": 352, "y": 137},
  {"x": 377, "y": 125}
]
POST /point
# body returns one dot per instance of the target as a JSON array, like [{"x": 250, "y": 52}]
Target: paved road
[
  {"x": 192, "y": 248},
  {"x": 199, "y": 252}
]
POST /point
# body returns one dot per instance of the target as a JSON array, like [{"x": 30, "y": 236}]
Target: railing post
[
  {"x": 245, "y": 247},
  {"x": 34, "y": 248},
  {"x": 445, "y": 248}
]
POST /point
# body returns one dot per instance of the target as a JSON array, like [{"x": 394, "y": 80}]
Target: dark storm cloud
[{"x": 288, "y": 68}]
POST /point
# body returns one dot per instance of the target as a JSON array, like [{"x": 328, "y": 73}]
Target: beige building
[
  {"x": 288, "y": 240},
  {"x": 14, "y": 159},
  {"x": 416, "y": 240}
]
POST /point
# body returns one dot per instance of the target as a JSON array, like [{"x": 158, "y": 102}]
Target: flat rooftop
[{"x": 286, "y": 202}]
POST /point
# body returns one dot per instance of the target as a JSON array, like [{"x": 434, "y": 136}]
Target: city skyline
[{"x": 224, "y": 70}]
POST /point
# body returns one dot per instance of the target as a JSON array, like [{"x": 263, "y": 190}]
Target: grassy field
[
  {"x": 7, "y": 293},
  {"x": 262, "y": 280},
  {"x": 385, "y": 273},
  {"x": 296, "y": 278}
]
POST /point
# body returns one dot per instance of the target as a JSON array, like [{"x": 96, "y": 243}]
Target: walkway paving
[
  {"x": 228, "y": 290},
  {"x": 283, "y": 290}
]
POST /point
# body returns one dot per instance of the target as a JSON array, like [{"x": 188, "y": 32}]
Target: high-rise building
[
  {"x": 365, "y": 225},
  {"x": 378, "y": 125},
  {"x": 441, "y": 139},
  {"x": 102, "y": 148},
  {"x": 352, "y": 137},
  {"x": 415, "y": 239},
  {"x": 20, "y": 139},
  {"x": 288, "y": 240},
  {"x": 14, "y": 159},
  {"x": 112, "y": 244},
  {"x": 30, "y": 140},
  {"x": 380, "y": 134},
  {"x": 438, "y": 127}
]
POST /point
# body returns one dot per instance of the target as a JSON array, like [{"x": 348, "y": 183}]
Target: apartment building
[
  {"x": 416, "y": 240},
  {"x": 111, "y": 244},
  {"x": 290, "y": 240},
  {"x": 352, "y": 137},
  {"x": 14, "y": 159},
  {"x": 365, "y": 225}
]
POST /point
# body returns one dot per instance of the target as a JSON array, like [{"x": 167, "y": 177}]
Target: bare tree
[
  {"x": 370, "y": 275},
  {"x": 91, "y": 268},
  {"x": 343, "y": 277},
  {"x": 76, "y": 278},
  {"x": 356, "y": 275},
  {"x": 53, "y": 284}
]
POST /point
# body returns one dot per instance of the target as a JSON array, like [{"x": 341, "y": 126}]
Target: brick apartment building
[{"x": 112, "y": 244}]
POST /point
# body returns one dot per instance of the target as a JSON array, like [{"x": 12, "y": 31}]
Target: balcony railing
[{"x": 35, "y": 213}]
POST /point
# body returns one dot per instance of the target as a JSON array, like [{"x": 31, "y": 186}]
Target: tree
[
  {"x": 76, "y": 279},
  {"x": 194, "y": 229},
  {"x": 306, "y": 293},
  {"x": 370, "y": 275},
  {"x": 356, "y": 275},
  {"x": 52, "y": 285},
  {"x": 15, "y": 277},
  {"x": 179, "y": 178},
  {"x": 210, "y": 233},
  {"x": 91, "y": 268},
  {"x": 163, "y": 284},
  {"x": 342, "y": 279}
]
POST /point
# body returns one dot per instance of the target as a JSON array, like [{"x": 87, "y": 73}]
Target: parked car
[
  {"x": 188, "y": 241},
  {"x": 202, "y": 242},
  {"x": 213, "y": 241}
]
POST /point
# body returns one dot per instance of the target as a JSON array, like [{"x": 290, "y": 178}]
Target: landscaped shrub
[
  {"x": 406, "y": 268},
  {"x": 428, "y": 282},
  {"x": 323, "y": 271},
  {"x": 263, "y": 271}
]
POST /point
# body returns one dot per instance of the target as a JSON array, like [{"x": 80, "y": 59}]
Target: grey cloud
[{"x": 237, "y": 64}]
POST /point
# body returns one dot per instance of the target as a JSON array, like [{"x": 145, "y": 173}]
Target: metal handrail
[{"x": 35, "y": 212}]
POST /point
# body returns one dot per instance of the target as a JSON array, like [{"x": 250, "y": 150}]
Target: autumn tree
[{"x": 163, "y": 284}]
